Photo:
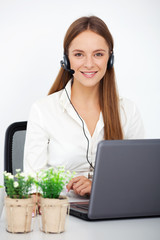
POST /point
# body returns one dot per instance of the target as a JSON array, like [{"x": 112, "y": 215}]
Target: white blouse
[{"x": 55, "y": 135}]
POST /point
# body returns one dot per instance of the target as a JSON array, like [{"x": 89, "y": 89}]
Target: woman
[{"x": 82, "y": 107}]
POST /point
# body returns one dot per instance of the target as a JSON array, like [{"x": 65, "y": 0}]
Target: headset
[
  {"x": 110, "y": 61},
  {"x": 65, "y": 64}
]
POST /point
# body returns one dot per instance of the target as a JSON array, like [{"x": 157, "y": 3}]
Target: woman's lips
[{"x": 89, "y": 74}]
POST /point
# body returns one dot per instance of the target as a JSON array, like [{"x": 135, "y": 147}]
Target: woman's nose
[{"x": 89, "y": 63}]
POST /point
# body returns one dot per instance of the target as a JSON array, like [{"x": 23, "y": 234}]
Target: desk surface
[{"x": 77, "y": 229}]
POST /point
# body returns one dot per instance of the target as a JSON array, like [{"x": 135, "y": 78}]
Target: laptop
[{"x": 126, "y": 181}]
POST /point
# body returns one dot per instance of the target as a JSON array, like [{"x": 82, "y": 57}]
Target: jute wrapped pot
[
  {"x": 18, "y": 214},
  {"x": 54, "y": 213}
]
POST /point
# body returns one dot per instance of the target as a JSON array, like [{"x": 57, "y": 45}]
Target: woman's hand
[{"x": 80, "y": 185}]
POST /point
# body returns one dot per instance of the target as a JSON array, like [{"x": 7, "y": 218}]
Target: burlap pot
[
  {"x": 54, "y": 213},
  {"x": 18, "y": 214}
]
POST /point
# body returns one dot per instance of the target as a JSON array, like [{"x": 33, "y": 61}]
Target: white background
[{"x": 31, "y": 47}]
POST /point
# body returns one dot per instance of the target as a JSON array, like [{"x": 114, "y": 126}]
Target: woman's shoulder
[
  {"x": 45, "y": 101},
  {"x": 126, "y": 104},
  {"x": 128, "y": 108},
  {"x": 131, "y": 120}
]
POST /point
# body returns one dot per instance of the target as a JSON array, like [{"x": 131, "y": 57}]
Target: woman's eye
[
  {"x": 78, "y": 54},
  {"x": 98, "y": 54}
]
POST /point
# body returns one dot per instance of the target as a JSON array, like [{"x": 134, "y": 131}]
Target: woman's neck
[
  {"x": 86, "y": 102},
  {"x": 84, "y": 96}
]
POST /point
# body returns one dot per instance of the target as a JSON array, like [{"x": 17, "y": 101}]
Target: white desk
[{"x": 77, "y": 229}]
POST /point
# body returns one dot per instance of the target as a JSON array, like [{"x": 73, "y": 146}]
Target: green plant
[
  {"x": 1, "y": 186},
  {"x": 18, "y": 185},
  {"x": 52, "y": 181}
]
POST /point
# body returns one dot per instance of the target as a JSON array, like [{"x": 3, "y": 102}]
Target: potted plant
[
  {"x": 18, "y": 203},
  {"x": 53, "y": 205}
]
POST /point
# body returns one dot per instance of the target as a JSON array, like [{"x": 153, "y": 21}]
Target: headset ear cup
[
  {"x": 110, "y": 61},
  {"x": 66, "y": 61}
]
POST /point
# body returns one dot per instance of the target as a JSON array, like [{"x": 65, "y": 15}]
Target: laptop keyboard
[{"x": 81, "y": 206}]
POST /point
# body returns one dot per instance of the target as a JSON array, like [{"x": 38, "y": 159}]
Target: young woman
[{"x": 82, "y": 108}]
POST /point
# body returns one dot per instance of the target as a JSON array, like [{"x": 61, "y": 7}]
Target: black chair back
[{"x": 14, "y": 146}]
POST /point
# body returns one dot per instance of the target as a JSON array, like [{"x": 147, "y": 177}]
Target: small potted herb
[
  {"x": 54, "y": 207},
  {"x": 18, "y": 203}
]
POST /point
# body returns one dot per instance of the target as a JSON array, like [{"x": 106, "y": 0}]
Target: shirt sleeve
[{"x": 36, "y": 143}]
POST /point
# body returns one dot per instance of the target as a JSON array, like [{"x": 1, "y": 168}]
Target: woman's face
[{"x": 88, "y": 55}]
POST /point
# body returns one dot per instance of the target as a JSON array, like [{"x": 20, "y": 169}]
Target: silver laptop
[{"x": 126, "y": 181}]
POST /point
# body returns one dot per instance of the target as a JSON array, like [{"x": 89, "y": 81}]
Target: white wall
[{"x": 31, "y": 38}]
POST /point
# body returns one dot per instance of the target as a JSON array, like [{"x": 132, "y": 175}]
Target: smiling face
[{"x": 88, "y": 54}]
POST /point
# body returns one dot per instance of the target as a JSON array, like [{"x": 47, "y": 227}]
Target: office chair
[{"x": 14, "y": 146}]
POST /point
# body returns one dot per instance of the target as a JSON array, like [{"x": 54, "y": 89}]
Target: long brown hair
[{"x": 109, "y": 100}]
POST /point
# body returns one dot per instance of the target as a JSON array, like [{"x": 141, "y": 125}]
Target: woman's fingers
[
  {"x": 72, "y": 182},
  {"x": 83, "y": 188},
  {"x": 81, "y": 185}
]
